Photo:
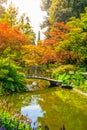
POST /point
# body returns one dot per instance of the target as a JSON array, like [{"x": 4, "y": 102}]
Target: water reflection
[
  {"x": 34, "y": 110},
  {"x": 53, "y": 108}
]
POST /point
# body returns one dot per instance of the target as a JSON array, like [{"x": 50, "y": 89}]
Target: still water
[{"x": 53, "y": 107}]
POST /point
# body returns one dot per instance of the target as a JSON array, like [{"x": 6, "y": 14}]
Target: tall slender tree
[
  {"x": 25, "y": 27},
  {"x": 2, "y": 9},
  {"x": 10, "y": 15},
  {"x": 62, "y": 10}
]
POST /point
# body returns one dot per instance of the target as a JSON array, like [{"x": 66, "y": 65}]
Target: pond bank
[{"x": 79, "y": 91}]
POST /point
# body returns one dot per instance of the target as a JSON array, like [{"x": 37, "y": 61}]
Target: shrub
[
  {"x": 64, "y": 69},
  {"x": 78, "y": 78},
  {"x": 9, "y": 122},
  {"x": 64, "y": 73},
  {"x": 11, "y": 79}
]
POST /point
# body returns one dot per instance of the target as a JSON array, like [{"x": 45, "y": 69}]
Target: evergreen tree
[{"x": 2, "y": 9}]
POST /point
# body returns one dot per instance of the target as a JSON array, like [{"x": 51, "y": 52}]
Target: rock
[
  {"x": 66, "y": 86},
  {"x": 29, "y": 87},
  {"x": 34, "y": 83}
]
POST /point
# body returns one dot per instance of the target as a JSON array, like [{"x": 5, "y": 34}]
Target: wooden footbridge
[
  {"x": 52, "y": 81},
  {"x": 38, "y": 73}
]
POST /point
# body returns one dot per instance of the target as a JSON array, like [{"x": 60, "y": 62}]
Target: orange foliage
[
  {"x": 11, "y": 37},
  {"x": 36, "y": 55},
  {"x": 56, "y": 34},
  {"x": 31, "y": 54},
  {"x": 48, "y": 55},
  {"x": 58, "y": 31},
  {"x": 52, "y": 42},
  {"x": 68, "y": 57},
  {"x": 45, "y": 52}
]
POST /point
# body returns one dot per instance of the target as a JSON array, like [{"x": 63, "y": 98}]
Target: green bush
[
  {"x": 64, "y": 69},
  {"x": 11, "y": 79},
  {"x": 78, "y": 78},
  {"x": 69, "y": 75},
  {"x": 66, "y": 79},
  {"x": 10, "y": 122}
]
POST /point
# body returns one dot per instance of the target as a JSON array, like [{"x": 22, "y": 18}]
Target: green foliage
[
  {"x": 75, "y": 45},
  {"x": 10, "y": 15},
  {"x": 78, "y": 78},
  {"x": 10, "y": 54},
  {"x": 69, "y": 75},
  {"x": 63, "y": 76},
  {"x": 25, "y": 27},
  {"x": 11, "y": 79},
  {"x": 79, "y": 22},
  {"x": 2, "y": 9},
  {"x": 45, "y": 4},
  {"x": 10, "y": 122},
  {"x": 62, "y": 73},
  {"x": 62, "y": 10},
  {"x": 78, "y": 7},
  {"x": 82, "y": 87},
  {"x": 64, "y": 69},
  {"x": 78, "y": 36}
]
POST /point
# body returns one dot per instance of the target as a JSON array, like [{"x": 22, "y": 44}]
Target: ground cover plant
[{"x": 9, "y": 122}]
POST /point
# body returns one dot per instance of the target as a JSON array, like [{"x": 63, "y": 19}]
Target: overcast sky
[{"x": 32, "y": 9}]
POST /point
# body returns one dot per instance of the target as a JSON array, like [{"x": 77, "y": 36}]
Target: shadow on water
[
  {"x": 62, "y": 128},
  {"x": 35, "y": 127}
]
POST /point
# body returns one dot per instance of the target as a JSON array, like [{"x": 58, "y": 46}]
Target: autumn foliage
[
  {"x": 60, "y": 46},
  {"x": 63, "y": 40},
  {"x": 11, "y": 37},
  {"x": 55, "y": 49}
]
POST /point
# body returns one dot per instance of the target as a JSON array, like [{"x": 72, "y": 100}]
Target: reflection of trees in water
[
  {"x": 16, "y": 101},
  {"x": 51, "y": 118},
  {"x": 61, "y": 107},
  {"x": 60, "y": 112}
]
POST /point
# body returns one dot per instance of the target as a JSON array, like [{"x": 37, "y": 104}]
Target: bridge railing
[{"x": 37, "y": 71}]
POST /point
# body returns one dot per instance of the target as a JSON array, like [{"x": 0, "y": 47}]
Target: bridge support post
[{"x": 54, "y": 83}]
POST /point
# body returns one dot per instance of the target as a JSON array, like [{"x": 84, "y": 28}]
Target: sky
[{"x": 32, "y": 9}]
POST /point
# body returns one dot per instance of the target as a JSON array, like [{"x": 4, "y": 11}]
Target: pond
[{"x": 53, "y": 107}]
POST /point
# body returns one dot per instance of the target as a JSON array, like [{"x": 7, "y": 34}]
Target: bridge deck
[
  {"x": 35, "y": 72},
  {"x": 43, "y": 78}
]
